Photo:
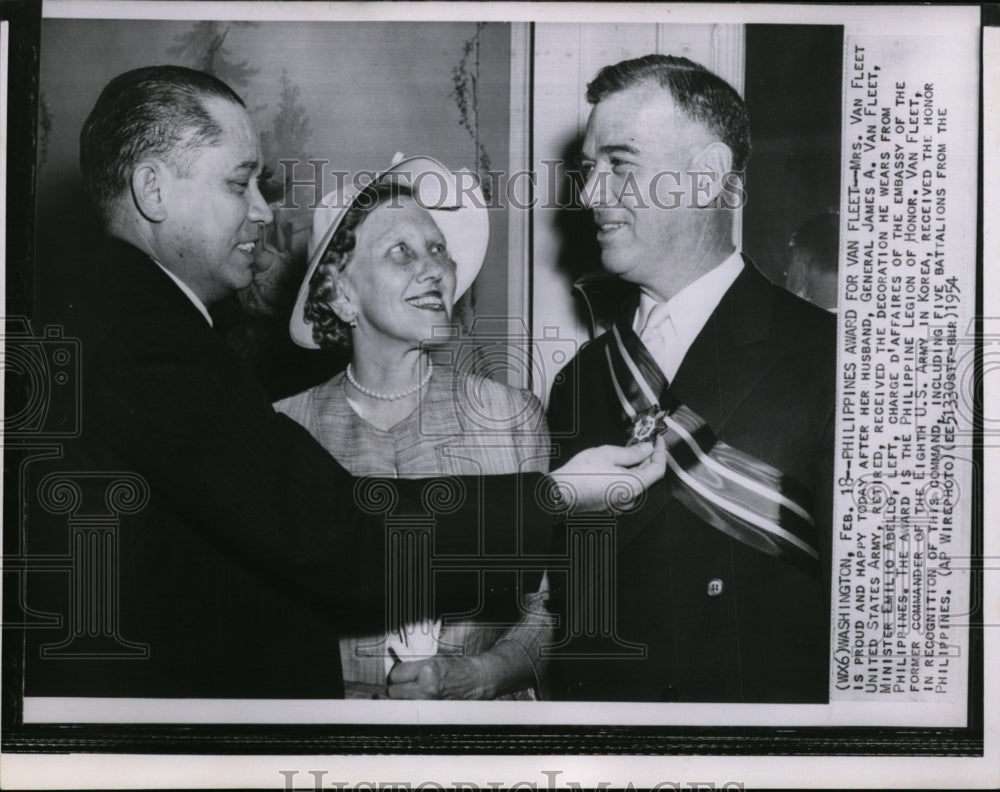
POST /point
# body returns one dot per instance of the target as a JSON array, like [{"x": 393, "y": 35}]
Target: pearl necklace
[{"x": 391, "y": 396}]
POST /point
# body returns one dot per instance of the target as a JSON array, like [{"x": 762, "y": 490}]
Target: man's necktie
[{"x": 658, "y": 336}]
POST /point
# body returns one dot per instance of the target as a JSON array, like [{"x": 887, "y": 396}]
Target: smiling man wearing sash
[{"x": 722, "y": 577}]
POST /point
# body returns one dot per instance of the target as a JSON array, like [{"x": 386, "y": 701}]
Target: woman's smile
[{"x": 432, "y": 300}]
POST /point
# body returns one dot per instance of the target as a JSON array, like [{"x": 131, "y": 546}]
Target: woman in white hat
[{"x": 385, "y": 270}]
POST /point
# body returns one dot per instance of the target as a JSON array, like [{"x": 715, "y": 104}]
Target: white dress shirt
[
  {"x": 188, "y": 293},
  {"x": 687, "y": 312}
]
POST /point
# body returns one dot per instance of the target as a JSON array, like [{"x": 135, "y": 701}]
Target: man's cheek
[
  {"x": 631, "y": 193},
  {"x": 666, "y": 190}
]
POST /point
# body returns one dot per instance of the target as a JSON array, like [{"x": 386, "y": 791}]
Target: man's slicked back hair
[
  {"x": 702, "y": 96},
  {"x": 154, "y": 111}
]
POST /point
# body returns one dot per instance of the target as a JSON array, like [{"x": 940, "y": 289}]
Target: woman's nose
[{"x": 431, "y": 268}]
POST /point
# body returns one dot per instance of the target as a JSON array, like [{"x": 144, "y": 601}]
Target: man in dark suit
[
  {"x": 256, "y": 549},
  {"x": 720, "y": 579}
]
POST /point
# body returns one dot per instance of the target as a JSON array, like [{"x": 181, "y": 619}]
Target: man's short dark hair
[
  {"x": 153, "y": 111},
  {"x": 701, "y": 95}
]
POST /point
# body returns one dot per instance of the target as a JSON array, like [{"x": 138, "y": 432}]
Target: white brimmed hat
[{"x": 454, "y": 201}]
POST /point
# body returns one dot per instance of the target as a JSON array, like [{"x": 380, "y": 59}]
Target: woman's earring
[{"x": 353, "y": 322}]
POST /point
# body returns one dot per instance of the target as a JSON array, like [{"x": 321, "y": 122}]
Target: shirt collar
[
  {"x": 188, "y": 293},
  {"x": 691, "y": 307}
]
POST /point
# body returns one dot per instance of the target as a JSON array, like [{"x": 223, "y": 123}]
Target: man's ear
[
  {"x": 149, "y": 185},
  {"x": 710, "y": 168}
]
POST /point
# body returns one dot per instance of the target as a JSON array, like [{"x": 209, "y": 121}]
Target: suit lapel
[
  {"x": 732, "y": 353},
  {"x": 607, "y": 300}
]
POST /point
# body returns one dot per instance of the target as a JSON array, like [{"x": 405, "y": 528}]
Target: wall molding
[{"x": 520, "y": 269}]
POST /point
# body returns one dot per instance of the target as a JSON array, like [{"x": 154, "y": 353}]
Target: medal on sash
[{"x": 734, "y": 492}]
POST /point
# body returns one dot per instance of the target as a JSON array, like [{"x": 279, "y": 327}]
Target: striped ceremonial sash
[{"x": 738, "y": 494}]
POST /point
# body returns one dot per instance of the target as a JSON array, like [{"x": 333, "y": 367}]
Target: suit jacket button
[{"x": 715, "y": 587}]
